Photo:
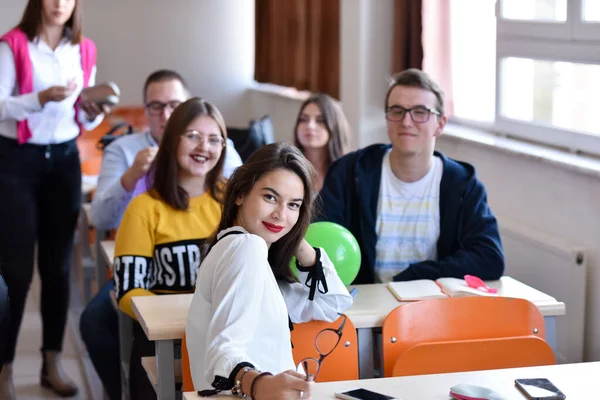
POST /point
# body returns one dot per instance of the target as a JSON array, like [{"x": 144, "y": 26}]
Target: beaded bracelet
[
  {"x": 237, "y": 388},
  {"x": 253, "y": 386}
]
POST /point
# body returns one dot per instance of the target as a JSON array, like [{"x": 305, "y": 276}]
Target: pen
[{"x": 353, "y": 292}]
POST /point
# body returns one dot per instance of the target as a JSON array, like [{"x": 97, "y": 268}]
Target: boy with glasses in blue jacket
[{"x": 415, "y": 213}]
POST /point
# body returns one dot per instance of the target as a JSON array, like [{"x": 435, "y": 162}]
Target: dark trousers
[
  {"x": 40, "y": 198},
  {"x": 99, "y": 328},
  {"x": 4, "y": 319}
]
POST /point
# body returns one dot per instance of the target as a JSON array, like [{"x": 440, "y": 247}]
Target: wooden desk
[
  {"x": 87, "y": 211},
  {"x": 107, "y": 248},
  {"x": 163, "y": 319},
  {"x": 574, "y": 380},
  {"x": 372, "y": 304},
  {"x": 82, "y": 258}
]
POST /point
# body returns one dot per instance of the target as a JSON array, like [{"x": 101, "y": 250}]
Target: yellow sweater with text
[{"x": 157, "y": 248}]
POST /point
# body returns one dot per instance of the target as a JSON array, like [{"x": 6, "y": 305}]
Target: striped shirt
[{"x": 408, "y": 220}]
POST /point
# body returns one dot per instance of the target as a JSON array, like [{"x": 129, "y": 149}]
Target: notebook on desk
[{"x": 425, "y": 289}]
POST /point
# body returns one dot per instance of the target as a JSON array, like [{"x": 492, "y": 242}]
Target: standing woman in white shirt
[
  {"x": 246, "y": 294},
  {"x": 44, "y": 63}
]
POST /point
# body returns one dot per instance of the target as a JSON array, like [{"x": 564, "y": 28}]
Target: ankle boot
[
  {"x": 53, "y": 376},
  {"x": 7, "y": 389}
]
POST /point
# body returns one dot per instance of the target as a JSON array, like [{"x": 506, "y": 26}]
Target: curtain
[
  {"x": 408, "y": 48},
  {"x": 298, "y": 44},
  {"x": 437, "y": 49}
]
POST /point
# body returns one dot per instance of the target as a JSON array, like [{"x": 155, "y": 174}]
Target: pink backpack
[{"x": 17, "y": 41}]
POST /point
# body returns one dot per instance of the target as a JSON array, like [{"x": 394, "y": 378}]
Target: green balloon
[{"x": 339, "y": 244}]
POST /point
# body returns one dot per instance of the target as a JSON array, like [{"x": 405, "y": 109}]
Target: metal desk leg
[
  {"x": 365, "y": 353},
  {"x": 87, "y": 258},
  {"x": 125, "y": 344},
  {"x": 550, "y": 325},
  {"x": 165, "y": 370},
  {"x": 101, "y": 266}
]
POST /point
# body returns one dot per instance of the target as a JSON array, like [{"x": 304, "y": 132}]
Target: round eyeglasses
[
  {"x": 326, "y": 342},
  {"x": 212, "y": 140}
]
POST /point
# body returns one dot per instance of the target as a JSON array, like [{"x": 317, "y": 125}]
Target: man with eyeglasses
[
  {"x": 415, "y": 213},
  {"x": 124, "y": 163},
  {"x": 128, "y": 159}
]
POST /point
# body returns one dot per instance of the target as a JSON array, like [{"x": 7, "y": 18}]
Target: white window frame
[
  {"x": 583, "y": 30},
  {"x": 532, "y": 29},
  {"x": 570, "y": 41}
]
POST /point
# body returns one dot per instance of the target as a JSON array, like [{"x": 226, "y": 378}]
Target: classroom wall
[
  {"x": 211, "y": 43},
  {"x": 10, "y": 14}
]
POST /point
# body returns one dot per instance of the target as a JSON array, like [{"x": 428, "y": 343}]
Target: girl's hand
[
  {"x": 305, "y": 254},
  {"x": 92, "y": 110},
  {"x": 54, "y": 93},
  {"x": 288, "y": 385}
]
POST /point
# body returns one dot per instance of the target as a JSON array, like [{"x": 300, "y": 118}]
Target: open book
[{"x": 425, "y": 289}]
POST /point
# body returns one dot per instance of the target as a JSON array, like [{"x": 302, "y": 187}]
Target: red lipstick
[{"x": 272, "y": 227}]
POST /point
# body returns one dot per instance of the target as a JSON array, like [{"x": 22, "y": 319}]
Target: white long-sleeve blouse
[
  {"x": 55, "y": 122},
  {"x": 239, "y": 312}
]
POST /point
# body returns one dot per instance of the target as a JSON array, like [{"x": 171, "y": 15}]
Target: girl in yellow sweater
[{"x": 158, "y": 243}]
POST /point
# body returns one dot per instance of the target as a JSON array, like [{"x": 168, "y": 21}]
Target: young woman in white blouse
[
  {"x": 246, "y": 294},
  {"x": 44, "y": 63}
]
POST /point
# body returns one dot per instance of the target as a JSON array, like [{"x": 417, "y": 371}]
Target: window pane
[
  {"x": 560, "y": 94},
  {"x": 535, "y": 10},
  {"x": 473, "y": 65},
  {"x": 591, "y": 10}
]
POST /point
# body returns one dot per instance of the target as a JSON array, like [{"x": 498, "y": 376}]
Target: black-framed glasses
[
  {"x": 326, "y": 342},
  {"x": 195, "y": 138},
  {"x": 418, "y": 114},
  {"x": 156, "y": 107}
]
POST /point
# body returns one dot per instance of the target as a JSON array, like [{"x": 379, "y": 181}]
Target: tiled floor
[{"x": 28, "y": 360}]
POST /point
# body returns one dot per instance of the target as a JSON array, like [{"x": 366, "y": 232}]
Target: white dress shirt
[
  {"x": 55, "y": 122},
  {"x": 239, "y": 311}
]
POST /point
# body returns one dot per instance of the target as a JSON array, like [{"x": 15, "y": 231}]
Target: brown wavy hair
[
  {"x": 335, "y": 122},
  {"x": 164, "y": 170},
  {"x": 31, "y": 21},
  {"x": 264, "y": 160}
]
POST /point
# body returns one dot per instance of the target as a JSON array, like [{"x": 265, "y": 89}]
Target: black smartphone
[
  {"x": 539, "y": 389},
  {"x": 363, "y": 394}
]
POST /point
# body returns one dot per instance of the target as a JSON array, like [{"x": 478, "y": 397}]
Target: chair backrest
[
  {"x": 248, "y": 140},
  {"x": 454, "y": 319},
  {"x": 4, "y": 320},
  {"x": 186, "y": 372},
  {"x": 474, "y": 355},
  {"x": 91, "y": 166},
  {"x": 342, "y": 363},
  {"x": 118, "y": 130}
]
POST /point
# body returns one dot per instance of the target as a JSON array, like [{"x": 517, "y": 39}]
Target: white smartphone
[{"x": 363, "y": 394}]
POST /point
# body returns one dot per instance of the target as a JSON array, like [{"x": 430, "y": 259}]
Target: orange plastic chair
[
  {"x": 455, "y": 319},
  {"x": 186, "y": 372},
  {"x": 342, "y": 363},
  {"x": 474, "y": 355},
  {"x": 91, "y": 166},
  {"x": 133, "y": 115}
]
